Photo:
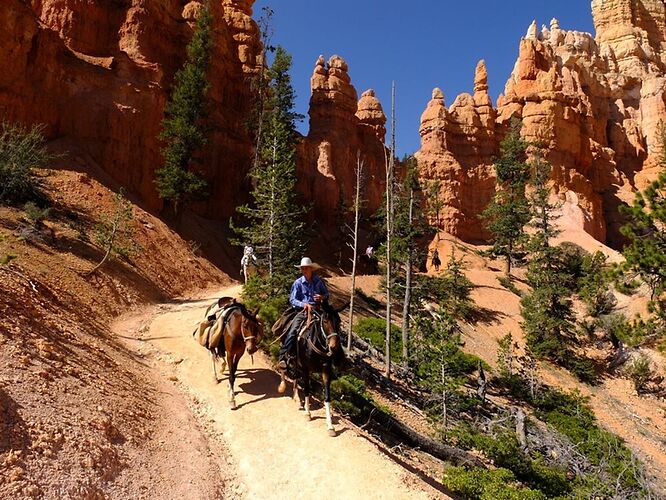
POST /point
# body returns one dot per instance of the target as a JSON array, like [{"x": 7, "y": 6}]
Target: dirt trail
[{"x": 275, "y": 451}]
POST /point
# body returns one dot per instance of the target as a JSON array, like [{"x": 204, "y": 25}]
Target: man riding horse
[{"x": 307, "y": 292}]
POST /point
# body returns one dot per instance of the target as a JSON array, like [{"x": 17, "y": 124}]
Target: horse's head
[
  {"x": 252, "y": 330},
  {"x": 331, "y": 322}
]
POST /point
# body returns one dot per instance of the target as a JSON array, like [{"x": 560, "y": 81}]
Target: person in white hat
[{"x": 306, "y": 292}]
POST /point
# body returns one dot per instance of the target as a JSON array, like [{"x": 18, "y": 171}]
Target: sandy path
[{"x": 277, "y": 453}]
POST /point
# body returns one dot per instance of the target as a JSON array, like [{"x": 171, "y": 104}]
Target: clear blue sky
[{"x": 420, "y": 44}]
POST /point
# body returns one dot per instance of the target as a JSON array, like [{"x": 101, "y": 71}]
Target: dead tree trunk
[
  {"x": 389, "y": 232},
  {"x": 354, "y": 245},
  {"x": 408, "y": 288}
]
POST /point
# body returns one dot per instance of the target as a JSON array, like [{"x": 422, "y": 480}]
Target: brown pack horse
[
  {"x": 317, "y": 349},
  {"x": 241, "y": 331}
]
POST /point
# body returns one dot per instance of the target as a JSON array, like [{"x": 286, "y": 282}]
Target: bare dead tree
[
  {"x": 390, "y": 167},
  {"x": 354, "y": 246},
  {"x": 114, "y": 234}
]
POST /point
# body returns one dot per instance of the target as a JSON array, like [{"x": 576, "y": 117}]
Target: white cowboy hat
[{"x": 307, "y": 262}]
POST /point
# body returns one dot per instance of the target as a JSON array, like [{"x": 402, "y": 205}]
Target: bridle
[
  {"x": 243, "y": 328},
  {"x": 321, "y": 333}
]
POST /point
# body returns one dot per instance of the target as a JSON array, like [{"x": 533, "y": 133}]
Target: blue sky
[{"x": 420, "y": 44}]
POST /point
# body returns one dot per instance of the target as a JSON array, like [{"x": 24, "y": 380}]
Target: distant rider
[{"x": 307, "y": 291}]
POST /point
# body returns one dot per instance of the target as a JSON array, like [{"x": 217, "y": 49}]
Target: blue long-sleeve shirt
[{"x": 303, "y": 291}]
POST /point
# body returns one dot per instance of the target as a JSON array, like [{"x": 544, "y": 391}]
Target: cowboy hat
[{"x": 307, "y": 262}]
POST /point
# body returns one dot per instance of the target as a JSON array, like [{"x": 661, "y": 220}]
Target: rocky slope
[
  {"x": 82, "y": 416},
  {"x": 595, "y": 102}
]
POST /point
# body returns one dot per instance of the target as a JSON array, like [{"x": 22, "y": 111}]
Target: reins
[{"x": 327, "y": 337}]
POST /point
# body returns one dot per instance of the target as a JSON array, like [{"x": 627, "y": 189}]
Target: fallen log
[{"x": 405, "y": 434}]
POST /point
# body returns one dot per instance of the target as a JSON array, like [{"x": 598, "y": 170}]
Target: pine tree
[
  {"x": 434, "y": 203},
  {"x": 273, "y": 223},
  {"x": 645, "y": 252},
  {"x": 548, "y": 319},
  {"x": 410, "y": 226},
  {"x": 183, "y": 129},
  {"x": 508, "y": 212}
]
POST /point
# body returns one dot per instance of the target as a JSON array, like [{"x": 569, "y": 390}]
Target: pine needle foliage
[
  {"x": 508, "y": 211},
  {"x": 183, "y": 127},
  {"x": 274, "y": 222}
]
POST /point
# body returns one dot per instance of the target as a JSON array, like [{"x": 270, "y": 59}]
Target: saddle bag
[{"x": 210, "y": 331}]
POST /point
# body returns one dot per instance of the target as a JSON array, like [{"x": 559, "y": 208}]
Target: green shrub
[
  {"x": 36, "y": 215},
  {"x": 639, "y": 370},
  {"x": 483, "y": 484},
  {"x": 373, "y": 330},
  {"x": 505, "y": 452},
  {"x": 259, "y": 294},
  {"x": 22, "y": 150},
  {"x": 351, "y": 398},
  {"x": 581, "y": 367},
  {"x": 6, "y": 259}
]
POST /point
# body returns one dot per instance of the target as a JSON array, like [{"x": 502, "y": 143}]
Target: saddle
[
  {"x": 283, "y": 323},
  {"x": 210, "y": 331}
]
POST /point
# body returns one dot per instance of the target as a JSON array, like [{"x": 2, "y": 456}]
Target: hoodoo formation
[
  {"x": 342, "y": 129},
  {"x": 595, "y": 103}
]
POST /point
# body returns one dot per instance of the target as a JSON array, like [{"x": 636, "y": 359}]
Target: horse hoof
[
  {"x": 232, "y": 405},
  {"x": 332, "y": 433},
  {"x": 308, "y": 416},
  {"x": 216, "y": 380}
]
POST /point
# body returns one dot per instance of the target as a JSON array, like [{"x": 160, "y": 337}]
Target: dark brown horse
[
  {"x": 235, "y": 330},
  {"x": 317, "y": 349}
]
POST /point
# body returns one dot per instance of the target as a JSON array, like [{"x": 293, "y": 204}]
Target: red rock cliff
[
  {"x": 595, "y": 102},
  {"x": 98, "y": 75}
]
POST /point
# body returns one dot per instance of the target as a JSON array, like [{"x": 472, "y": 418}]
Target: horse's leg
[
  {"x": 306, "y": 390},
  {"x": 213, "y": 357},
  {"x": 283, "y": 384},
  {"x": 326, "y": 378},
  {"x": 232, "y": 362}
]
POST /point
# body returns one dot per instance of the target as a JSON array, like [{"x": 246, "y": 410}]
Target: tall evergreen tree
[
  {"x": 548, "y": 319},
  {"x": 508, "y": 212},
  {"x": 409, "y": 228},
  {"x": 645, "y": 252},
  {"x": 273, "y": 223},
  {"x": 183, "y": 129}
]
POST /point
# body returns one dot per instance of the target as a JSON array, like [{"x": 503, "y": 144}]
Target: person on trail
[
  {"x": 435, "y": 260},
  {"x": 248, "y": 259},
  {"x": 307, "y": 292},
  {"x": 370, "y": 252}
]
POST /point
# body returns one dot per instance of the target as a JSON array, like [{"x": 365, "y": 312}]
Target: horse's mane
[{"x": 244, "y": 311}]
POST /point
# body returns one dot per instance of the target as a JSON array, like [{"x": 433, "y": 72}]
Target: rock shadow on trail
[{"x": 262, "y": 383}]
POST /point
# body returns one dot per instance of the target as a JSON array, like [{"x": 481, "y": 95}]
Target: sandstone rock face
[
  {"x": 595, "y": 103},
  {"x": 99, "y": 73},
  {"x": 457, "y": 147},
  {"x": 342, "y": 129}
]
